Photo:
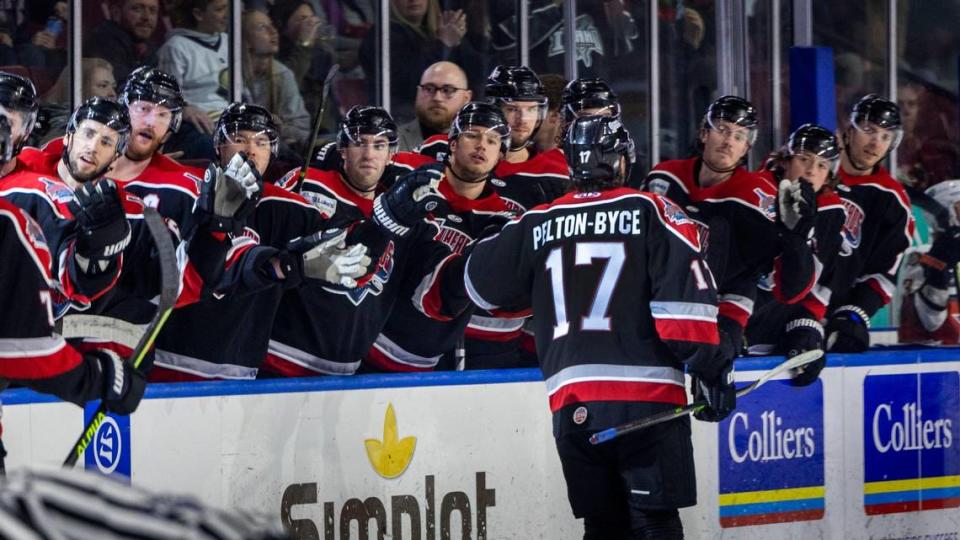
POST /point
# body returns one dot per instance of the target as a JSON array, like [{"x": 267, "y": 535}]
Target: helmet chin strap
[
  {"x": 482, "y": 178},
  {"x": 716, "y": 170},
  {"x": 99, "y": 173}
]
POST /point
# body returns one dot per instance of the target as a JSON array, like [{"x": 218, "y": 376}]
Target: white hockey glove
[
  {"x": 326, "y": 257},
  {"x": 796, "y": 206},
  {"x": 229, "y": 195}
]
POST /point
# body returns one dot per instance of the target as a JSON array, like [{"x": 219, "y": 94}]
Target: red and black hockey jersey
[
  {"x": 620, "y": 294},
  {"x": 738, "y": 217},
  {"x": 878, "y": 229},
  {"x": 410, "y": 340}
]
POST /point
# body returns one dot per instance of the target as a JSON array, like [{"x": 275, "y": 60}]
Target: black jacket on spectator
[{"x": 114, "y": 44}]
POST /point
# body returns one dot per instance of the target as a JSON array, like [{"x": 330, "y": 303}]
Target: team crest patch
[
  {"x": 326, "y": 205},
  {"x": 853, "y": 226},
  {"x": 453, "y": 238},
  {"x": 674, "y": 213},
  {"x": 580, "y": 415},
  {"x": 34, "y": 232},
  {"x": 767, "y": 203},
  {"x": 57, "y": 191},
  {"x": 658, "y": 186}
]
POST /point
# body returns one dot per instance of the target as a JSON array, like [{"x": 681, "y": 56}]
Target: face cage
[
  {"x": 897, "y": 131},
  {"x": 225, "y": 136},
  {"x": 751, "y": 138},
  {"x": 352, "y": 135},
  {"x": 176, "y": 114}
]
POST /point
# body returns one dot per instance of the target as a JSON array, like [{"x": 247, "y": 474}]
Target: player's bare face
[
  {"x": 475, "y": 152},
  {"x": 725, "y": 144},
  {"x": 522, "y": 116},
  {"x": 810, "y": 167},
  {"x": 869, "y": 144},
  {"x": 257, "y": 145},
  {"x": 91, "y": 150},
  {"x": 150, "y": 126},
  {"x": 365, "y": 160}
]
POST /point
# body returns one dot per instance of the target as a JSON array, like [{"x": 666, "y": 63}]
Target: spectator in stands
[
  {"x": 442, "y": 91},
  {"x": 8, "y": 56},
  {"x": 551, "y": 130},
  {"x": 272, "y": 84},
  {"x": 98, "y": 81},
  {"x": 41, "y": 41},
  {"x": 420, "y": 34},
  {"x": 196, "y": 52},
  {"x": 306, "y": 46},
  {"x": 124, "y": 40}
]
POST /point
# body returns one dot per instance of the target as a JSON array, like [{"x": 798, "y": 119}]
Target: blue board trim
[{"x": 888, "y": 356}]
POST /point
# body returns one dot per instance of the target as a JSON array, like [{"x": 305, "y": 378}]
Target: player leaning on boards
[
  {"x": 879, "y": 224},
  {"x": 749, "y": 227},
  {"x": 588, "y": 264}
]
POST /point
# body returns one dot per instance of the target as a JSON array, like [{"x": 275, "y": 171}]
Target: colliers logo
[
  {"x": 390, "y": 456},
  {"x": 426, "y": 514},
  {"x": 911, "y": 451},
  {"x": 771, "y": 457}
]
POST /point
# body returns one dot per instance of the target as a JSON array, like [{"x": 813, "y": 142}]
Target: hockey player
[
  {"x": 411, "y": 341},
  {"x": 589, "y": 264},
  {"x": 928, "y": 314},
  {"x": 811, "y": 155},
  {"x": 878, "y": 228},
  {"x": 750, "y": 229},
  {"x": 586, "y": 97},
  {"x": 31, "y": 353},
  {"x": 226, "y": 337},
  {"x": 327, "y": 330}
]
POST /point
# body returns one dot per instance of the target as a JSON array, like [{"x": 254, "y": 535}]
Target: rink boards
[{"x": 870, "y": 451}]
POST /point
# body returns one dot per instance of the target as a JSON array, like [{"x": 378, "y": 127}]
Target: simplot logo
[{"x": 390, "y": 456}]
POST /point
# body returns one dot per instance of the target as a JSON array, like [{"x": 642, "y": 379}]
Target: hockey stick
[
  {"x": 103, "y": 328},
  {"x": 324, "y": 95},
  {"x": 169, "y": 288},
  {"x": 665, "y": 416}
]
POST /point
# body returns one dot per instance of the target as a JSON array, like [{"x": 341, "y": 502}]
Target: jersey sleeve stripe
[
  {"x": 695, "y": 331},
  {"x": 36, "y": 358},
  {"x": 683, "y": 310}
]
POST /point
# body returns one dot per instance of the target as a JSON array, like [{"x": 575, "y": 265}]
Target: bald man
[{"x": 442, "y": 92}]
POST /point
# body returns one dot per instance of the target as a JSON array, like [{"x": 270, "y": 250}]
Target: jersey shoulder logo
[
  {"x": 57, "y": 191},
  {"x": 326, "y": 205},
  {"x": 674, "y": 213},
  {"x": 658, "y": 186},
  {"x": 853, "y": 227},
  {"x": 767, "y": 203}
]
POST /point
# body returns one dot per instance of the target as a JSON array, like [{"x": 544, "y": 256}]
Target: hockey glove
[
  {"x": 940, "y": 261},
  {"x": 104, "y": 231},
  {"x": 848, "y": 330},
  {"x": 228, "y": 196},
  {"x": 325, "y": 256},
  {"x": 123, "y": 385},
  {"x": 719, "y": 393},
  {"x": 410, "y": 199},
  {"x": 731, "y": 338},
  {"x": 804, "y": 335},
  {"x": 796, "y": 206}
]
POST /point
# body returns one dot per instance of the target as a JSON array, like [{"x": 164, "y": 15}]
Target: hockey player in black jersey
[
  {"x": 589, "y": 264},
  {"x": 31, "y": 353},
  {"x": 879, "y": 224},
  {"x": 411, "y": 340},
  {"x": 741, "y": 215},
  {"x": 586, "y": 97},
  {"x": 812, "y": 156}
]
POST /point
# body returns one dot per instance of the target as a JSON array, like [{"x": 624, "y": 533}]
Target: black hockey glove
[
  {"x": 731, "y": 338},
  {"x": 123, "y": 385},
  {"x": 848, "y": 330},
  {"x": 325, "y": 256},
  {"x": 228, "y": 196},
  {"x": 410, "y": 199},
  {"x": 720, "y": 394},
  {"x": 939, "y": 262},
  {"x": 103, "y": 229},
  {"x": 800, "y": 336},
  {"x": 796, "y": 207}
]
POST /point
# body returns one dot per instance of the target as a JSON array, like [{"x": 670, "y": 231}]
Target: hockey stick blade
[
  {"x": 678, "y": 412},
  {"x": 169, "y": 288},
  {"x": 312, "y": 147}
]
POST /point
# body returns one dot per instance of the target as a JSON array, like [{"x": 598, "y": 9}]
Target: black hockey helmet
[
  {"x": 815, "y": 139},
  {"x": 19, "y": 95},
  {"x": 481, "y": 113},
  {"x": 108, "y": 112},
  {"x": 6, "y": 141},
  {"x": 593, "y": 147},
  {"x": 507, "y": 84},
  {"x": 735, "y": 110},
  {"x": 151, "y": 84},
  {"x": 245, "y": 116},
  {"x": 588, "y": 93},
  {"x": 367, "y": 120},
  {"x": 881, "y": 112}
]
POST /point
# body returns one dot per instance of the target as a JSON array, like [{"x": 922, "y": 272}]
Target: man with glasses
[
  {"x": 441, "y": 93},
  {"x": 879, "y": 224},
  {"x": 749, "y": 227}
]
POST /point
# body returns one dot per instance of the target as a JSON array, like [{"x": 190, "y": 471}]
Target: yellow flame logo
[{"x": 391, "y": 456}]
